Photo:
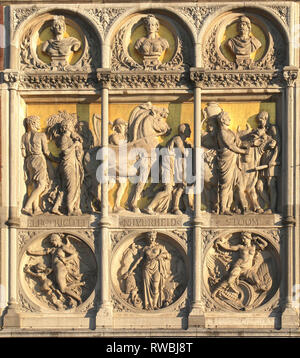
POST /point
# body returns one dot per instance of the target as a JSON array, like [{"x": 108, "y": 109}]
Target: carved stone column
[
  {"x": 104, "y": 315},
  {"x": 289, "y": 316},
  {"x": 196, "y": 317},
  {"x": 12, "y": 319}
]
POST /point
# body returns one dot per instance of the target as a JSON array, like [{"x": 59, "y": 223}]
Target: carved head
[
  {"x": 246, "y": 237},
  {"x": 262, "y": 119},
  {"x": 67, "y": 125},
  {"x": 58, "y": 26},
  {"x": 184, "y": 129},
  {"x": 151, "y": 24},
  {"x": 244, "y": 26},
  {"x": 32, "y": 123},
  {"x": 119, "y": 126},
  {"x": 55, "y": 240},
  {"x": 223, "y": 118},
  {"x": 151, "y": 236}
]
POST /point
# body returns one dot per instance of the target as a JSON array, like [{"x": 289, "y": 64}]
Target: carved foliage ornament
[
  {"x": 149, "y": 272},
  {"x": 241, "y": 270},
  {"x": 58, "y": 271}
]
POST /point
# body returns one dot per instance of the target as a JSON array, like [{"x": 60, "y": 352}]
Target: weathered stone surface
[{"x": 149, "y": 168}]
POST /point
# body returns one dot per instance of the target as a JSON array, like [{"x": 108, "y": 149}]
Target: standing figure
[
  {"x": 35, "y": 150},
  {"x": 152, "y": 46},
  {"x": 154, "y": 259},
  {"x": 71, "y": 169},
  {"x": 118, "y": 138},
  {"x": 269, "y": 169},
  {"x": 60, "y": 48},
  {"x": 230, "y": 175},
  {"x": 173, "y": 174},
  {"x": 244, "y": 44}
]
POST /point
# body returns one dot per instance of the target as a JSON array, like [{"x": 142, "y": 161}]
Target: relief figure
[
  {"x": 152, "y": 275},
  {"x": 269, "y": 168},
  {"x": 244, "y": 44},
  {"x": 34, "y": 147},
  {"x": 173, "y": 173},
  {"x": 65, "y": 268},
  {"x": 60, "y": 47},
  {"x": 118, "y": 138},
  {"x": 230, "y": 175},
  {"x": 70, "y": 169},
  {"x": 240, "y": 276},
  {"x": 152, "y": 46}
]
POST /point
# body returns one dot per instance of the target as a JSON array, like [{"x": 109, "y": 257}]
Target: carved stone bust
[
  {"x": 152, "y": 46},
  {"x": 244, "y": 44},
  {"x": 60, "y": 47}
]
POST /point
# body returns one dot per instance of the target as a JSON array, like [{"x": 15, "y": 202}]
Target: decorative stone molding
[
  {"x": 290, "y": 74},
  {"x": 58, "y": 80},
  {"x": 21, "y": 14},
  {"x": 198, "y": 14},
  {"x": 105, "y": 18},
  {"x": 282, "y": 11},
  {"x": 236, "y": 79}
]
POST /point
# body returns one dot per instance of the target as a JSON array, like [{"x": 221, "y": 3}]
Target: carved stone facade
[{"x": 150, "y": 168}]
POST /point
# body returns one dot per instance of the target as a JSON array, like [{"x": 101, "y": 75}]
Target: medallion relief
[
  {"x": 55, "y": 42},
  {"x": 241, "y": 270},
  {"x": 243, "y": 42},
  {"x": 149, "y": 42},
  {"x": 58, "y": 271},
  {"x": 149, "y": 272}
]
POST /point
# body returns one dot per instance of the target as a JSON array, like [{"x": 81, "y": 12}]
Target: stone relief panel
[
  {"x": 150, "y": 42},
  {"x": 244, "y": 42},
  {"x": 149, "y": 271},
  {"x": 241, "y": 270},
  {"x": 161, "y": 189},
  {"x": 58, "y": 271},
  {"x": 241, "y": 166},
  {"x": 59, "y": 42},
  {"x": 55, "y": 149}
]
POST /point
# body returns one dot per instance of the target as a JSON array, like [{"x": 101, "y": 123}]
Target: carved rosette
[
  {"x": 57, "y": 272},
  {"x": 149, "y": 272},
  {"x": 241, "y": 271}
]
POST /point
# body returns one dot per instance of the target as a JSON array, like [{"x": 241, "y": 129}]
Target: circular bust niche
[
  {"x": 149, "y": 278},
  {"x": 58, "y": 278},
  {"x": 134, "y": 30},
  {"x": 41, "y": 32},
  {"x": 227, "y": 29},
  {"x": 256, "y": 286}
]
